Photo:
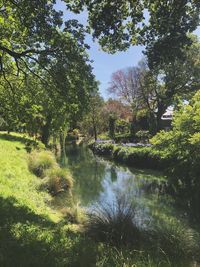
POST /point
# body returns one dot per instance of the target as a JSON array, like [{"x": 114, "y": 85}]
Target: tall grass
[
  {"x": 170, "y": 242},
  {"x": 115, "y": 224},
  {"x": 44, "y": 165},
  {"x": 58, "y": 180},
  {"x": 40, "y": 161}
]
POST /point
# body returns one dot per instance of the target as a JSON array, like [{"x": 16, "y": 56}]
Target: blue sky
[{"x": 105, "y": 64}]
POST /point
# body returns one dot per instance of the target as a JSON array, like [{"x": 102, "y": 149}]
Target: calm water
[{"x": 99, "y": 181}]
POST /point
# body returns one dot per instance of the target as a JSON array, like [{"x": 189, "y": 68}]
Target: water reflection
[
  {"x": 99, "y": 180},
  {"x": 88, "y": 172}
]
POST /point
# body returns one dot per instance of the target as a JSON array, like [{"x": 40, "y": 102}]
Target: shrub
[
  {"x": 176, "y": 240},
  {"x": 124, "y": 138},
  {"x": 102, "y": 148},
  {"x": 143, "y": 136},
  {"x": 114, "y": 224},
  {"x": 182, "y": 144},
  {"x": 140, "y": 157},
  {"x": 73, "y": 135},
  {"x": 57, "y": 180},
  {"x": 40, "y": 161}
]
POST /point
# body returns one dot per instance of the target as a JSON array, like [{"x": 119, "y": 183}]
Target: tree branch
[{"x": 17, "y": 55}]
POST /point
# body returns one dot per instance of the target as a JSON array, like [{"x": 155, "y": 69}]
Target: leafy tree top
[{"x": 161, "y": 25}]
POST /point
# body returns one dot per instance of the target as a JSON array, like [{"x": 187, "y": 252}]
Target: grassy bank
[
  {"x": 32, "y": 231},
  {"x": 35, "y": 231}
]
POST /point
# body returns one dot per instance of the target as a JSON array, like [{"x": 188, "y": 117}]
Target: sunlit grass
[{"x": 17, "y": 181}]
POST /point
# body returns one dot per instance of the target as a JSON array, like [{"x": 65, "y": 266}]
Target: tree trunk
[
  {"x": 46, "y": 132},
  {"x": 161, "y": 110},
  {"x": 112, "y": 127},
  {"x": 94, "y": 127},
  {"x": 62, "y": 148},
  {"x": 152, "y": 123},
  {"x": 95, "y": 132}
]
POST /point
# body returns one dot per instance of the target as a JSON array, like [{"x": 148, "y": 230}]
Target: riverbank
[
  {"x": 33, "y": 232},
  {"x": 139, "y": 157}
]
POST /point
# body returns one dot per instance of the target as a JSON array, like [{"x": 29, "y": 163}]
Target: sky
[{"x": 105, "y": 64}]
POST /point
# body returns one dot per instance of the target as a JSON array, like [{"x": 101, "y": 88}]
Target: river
[{"x": 99, "y": 181}]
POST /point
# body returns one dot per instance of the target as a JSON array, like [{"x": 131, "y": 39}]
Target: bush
[
  {"x": 105, "y": 149},
  {"x": 176, "y": 240},
  {"x": 73, "y": 135},
  {"x": 124, "y": 138},
  {"x": 57, "y": 180},
  {"x": 182, "y": 144},
  {"x": 114, "y": 224},
  {"x": 40, "y": 161},
  {"x": 143, "y": 136}
]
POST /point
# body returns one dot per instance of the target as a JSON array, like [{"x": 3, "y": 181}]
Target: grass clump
[
  {"x": 115, "y": 224},
  {"x": 44, "y": 165},
  {"x": 177, "y": 240},
  {"x": 58, "y": 180},
  {"x": 40, "y": 161}
]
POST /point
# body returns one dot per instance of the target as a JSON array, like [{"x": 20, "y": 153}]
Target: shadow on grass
[
  {"x": 28, "y": 239},
  {"x": 14, "y": 138},
  {"x": 28, "y": 142},
  {"x": 19, "y": 232}
]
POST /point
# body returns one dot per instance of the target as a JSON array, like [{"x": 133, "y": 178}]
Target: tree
[
  {"x": 162, "y": 26},
  {"x": 93, "y": 120},
  {"x": 126, "y": 85},
  {"x": 153, "y": 91},
  {"x": 45, "y": 73},
  {"x": 27, "y": 29},
  {"x": 115, "y": 112},
  {"x": 34, "y": 34},
  {"x": 180, "y": 80},
  {"x": 44, "y": 109}
]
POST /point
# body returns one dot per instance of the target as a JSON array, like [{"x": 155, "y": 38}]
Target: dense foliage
[
  {"x": 161, "y": 26},
  {"x": 149, "y": 93},
  {"x": 182, "y": 143},
  {"x": 46, "y": 77}
]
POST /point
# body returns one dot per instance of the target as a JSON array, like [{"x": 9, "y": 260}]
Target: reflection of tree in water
[
  {"x": 113, "y": 173},
  {"x": 87, "y": 171}
]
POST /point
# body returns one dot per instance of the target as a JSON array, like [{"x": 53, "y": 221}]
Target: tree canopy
[
  {"x": 162, "y": 26},
  {"x": 46, "y": 76}
]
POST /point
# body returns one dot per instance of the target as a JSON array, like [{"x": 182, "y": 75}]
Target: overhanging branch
[{"x": 17, "y": 55}]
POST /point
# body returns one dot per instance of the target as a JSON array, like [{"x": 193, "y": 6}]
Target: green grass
[
  {"x": 30, "y": 231},
  {"x": 18, "y": 183},
  {"x": 40, "y": 161},
  {"x": 33, "y": 232}
]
